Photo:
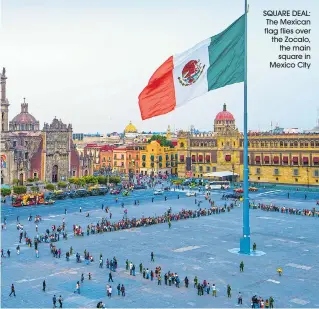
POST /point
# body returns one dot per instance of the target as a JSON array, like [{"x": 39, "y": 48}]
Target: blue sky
[{"x": 86, "y": 62}]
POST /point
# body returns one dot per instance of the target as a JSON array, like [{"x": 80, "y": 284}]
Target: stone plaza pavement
[{"x": 191, "y": 247}]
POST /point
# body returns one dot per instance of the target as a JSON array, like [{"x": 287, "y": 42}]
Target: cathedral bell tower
[{"x": 4, "y": 102}]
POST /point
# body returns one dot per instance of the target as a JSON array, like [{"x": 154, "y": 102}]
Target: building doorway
[
  {"x": 55, "y": 173},
  {"x": 21, "y": 179}
]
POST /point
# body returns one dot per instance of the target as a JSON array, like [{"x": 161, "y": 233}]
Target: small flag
[{"x": 211, "y": 64}]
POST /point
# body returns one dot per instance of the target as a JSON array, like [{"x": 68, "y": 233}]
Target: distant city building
[{"x": 277, "y": 156}]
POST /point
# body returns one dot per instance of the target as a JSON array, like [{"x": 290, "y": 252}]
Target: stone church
[{"x": 29, "y": 152}]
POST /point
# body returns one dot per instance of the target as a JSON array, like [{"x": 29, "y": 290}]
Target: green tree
[
  {"x": 62, "y": 184},
  {"x": 5, "y": 191},
  {"x": 15, "y": 181},
  {"x": 115, "y": 179},
  {"x": 162, "y": 140},
  {"x": 73, "y": 180},
  {"x": 30, "y": 180},
  {"x": 90, "y": 180},
  {"x": 34, "y": 189},
  {"x": 20, "y": 189},
  {"x": 101, "y": 180},
  {"x": 50, "y": 187}
]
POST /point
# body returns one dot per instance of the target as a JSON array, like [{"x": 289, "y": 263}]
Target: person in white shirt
[{"x": 110, "y": 291}]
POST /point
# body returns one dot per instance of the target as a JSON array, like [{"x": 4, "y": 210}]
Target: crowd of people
[
  {"x": 286, "y": 210},
  {"x": 170, "y": 278}
]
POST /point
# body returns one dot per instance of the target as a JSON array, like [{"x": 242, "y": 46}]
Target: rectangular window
[
  {"x": 316, "y": 173},
  {"x": 315, "y": 160},
  {"x": 296, "y": 172},
  {"x": 276, "y": 159},
  {"x": 266, "y": 159},
  {"x": 258, "y": 170},
  {"x": 14, "y": 143},
  {"x": 276, "y": 171},
  {"x": 207, "y": 168},
  {"x": 305, "y": 160},
  {"x": 200, "y": 168}
]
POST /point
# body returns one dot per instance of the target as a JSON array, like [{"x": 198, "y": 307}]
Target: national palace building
[{"x": 274, "y": 157}]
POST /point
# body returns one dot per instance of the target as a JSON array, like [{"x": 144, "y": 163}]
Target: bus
[{"x": 217, "y": 185}]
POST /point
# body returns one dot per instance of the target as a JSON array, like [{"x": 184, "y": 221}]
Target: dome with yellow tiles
[{"x": 130, "y": 128}]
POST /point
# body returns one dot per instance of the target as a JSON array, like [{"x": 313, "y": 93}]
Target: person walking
[
  {"x": 118, "y": 289},
  {"x": 44, "y": 285},
  {"x": 240, "y": 299},
  {"x": 54, "y": 301},
  {"x": 152, "y": 257},
  {"x": 110, "y": 291},
  {"x": 77, "y": 288},
  {"x": 60, "y": 300},
  {"x": 18, "y": 250},
  {"x": 110, "y": 277},
  {"x": 214, "y": 290},
  {"x": 241, "y": 266},
  {"x": 13, "y": 291},
  {"x": 80, "y": 209},
  {"x": 82, "y": 278},
  {"x": 186, "y": 282},
  {"x": 271, "y": 302},
  {"x": 228, "y": 291},
  {"x": 123, "y": 290},
  {"x": 254, "y": 247}
]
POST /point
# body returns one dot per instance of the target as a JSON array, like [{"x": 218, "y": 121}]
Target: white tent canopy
[{"x": 220, "y": 174}]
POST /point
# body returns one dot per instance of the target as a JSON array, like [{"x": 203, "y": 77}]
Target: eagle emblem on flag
[{"x": 191, "y": 72}]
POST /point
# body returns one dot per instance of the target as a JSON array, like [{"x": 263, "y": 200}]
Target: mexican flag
[{"x": 211, "y": 64}]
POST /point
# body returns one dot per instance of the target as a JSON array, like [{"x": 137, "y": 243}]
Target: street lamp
[{"x": 233, "y": 169}]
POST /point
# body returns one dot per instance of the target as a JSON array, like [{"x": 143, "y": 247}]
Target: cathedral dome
[
  {"x": 130, "y": 128},
  {"x": 24, "y": 121},
  {"x": 224, "y": 115},
  {"x": 24, "y": 118}
]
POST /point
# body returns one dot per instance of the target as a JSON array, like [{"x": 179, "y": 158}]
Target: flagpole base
[
  {"x": 245, "y": 245},
  {"x": 251, "y": 253}
]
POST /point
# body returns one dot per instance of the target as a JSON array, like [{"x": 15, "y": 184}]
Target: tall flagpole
[{"x": 245, "y": 240}]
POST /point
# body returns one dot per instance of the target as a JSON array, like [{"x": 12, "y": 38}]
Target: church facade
[{"x": 29, "y": 152}]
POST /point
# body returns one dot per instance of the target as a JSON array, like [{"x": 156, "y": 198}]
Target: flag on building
[{"x": 211, "y": 64}]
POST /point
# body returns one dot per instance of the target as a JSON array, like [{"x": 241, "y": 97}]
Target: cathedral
[{"x": 29, "y": 152}]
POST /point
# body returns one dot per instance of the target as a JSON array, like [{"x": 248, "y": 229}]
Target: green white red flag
[{"x": 211, "y": 64}]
